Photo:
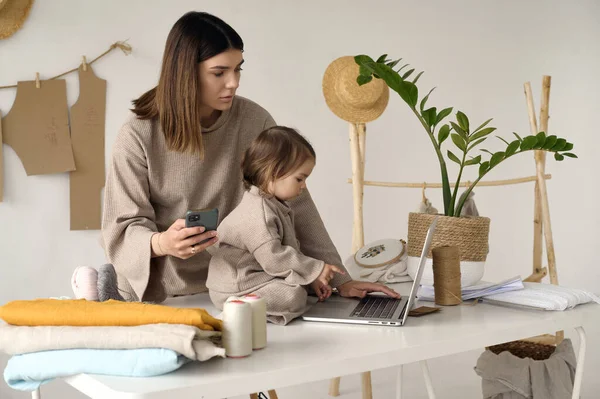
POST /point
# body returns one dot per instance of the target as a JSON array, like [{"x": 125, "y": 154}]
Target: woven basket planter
[{"x": 469, "y": 234}]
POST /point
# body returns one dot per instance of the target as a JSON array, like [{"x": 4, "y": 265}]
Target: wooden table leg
[
  {"x": 334, "y": 386},
  {"x": 272, "y": 394},
  {"x": 253, "y": 396},
  {"x": 367, "y": 390}
]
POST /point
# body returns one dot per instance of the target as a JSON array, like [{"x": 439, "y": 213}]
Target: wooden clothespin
[
  {"x": 37, "y": 80},
  {"x": 84, "y": 64}
]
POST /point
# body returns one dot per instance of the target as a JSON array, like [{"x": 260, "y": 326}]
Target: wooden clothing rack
[{"x": 542, "y": 227}]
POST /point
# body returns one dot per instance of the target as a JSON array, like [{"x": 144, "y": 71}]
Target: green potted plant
[{"x": 470, "y": 234}]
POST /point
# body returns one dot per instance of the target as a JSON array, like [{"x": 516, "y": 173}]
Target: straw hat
[
  {"x": 348, "y": 100},
  {"x": 12, "y": 15}
]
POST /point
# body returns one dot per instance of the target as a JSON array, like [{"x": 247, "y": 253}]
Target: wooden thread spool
[{"x": 446, "y": 275}]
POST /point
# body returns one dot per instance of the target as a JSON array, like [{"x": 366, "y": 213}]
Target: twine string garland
[{"x": 123, "y": 46}]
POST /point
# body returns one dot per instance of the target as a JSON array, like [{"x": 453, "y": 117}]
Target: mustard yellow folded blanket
[{"x": 80, "y": 312}]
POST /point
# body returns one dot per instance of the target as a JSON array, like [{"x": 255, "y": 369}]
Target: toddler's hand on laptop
[
  {"x": 323, "y": 291},
  {"x": 328, "y": 273},
  {"x": 321, "y": 284}
]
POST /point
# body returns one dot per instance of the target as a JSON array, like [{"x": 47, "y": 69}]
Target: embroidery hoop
[{"x": 395, "y": 259}]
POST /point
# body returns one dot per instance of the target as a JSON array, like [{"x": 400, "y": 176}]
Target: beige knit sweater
[
  {"x": 257, "y": 244},
  {"x": 148, "y": 187}
]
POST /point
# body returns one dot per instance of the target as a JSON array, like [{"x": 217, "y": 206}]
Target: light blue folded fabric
[{"x": 27, "y": 372}]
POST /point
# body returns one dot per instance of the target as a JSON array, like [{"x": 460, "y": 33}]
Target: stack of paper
[
  {"x": 426, "y": 292},
  {"x": 543, "y": 296}
]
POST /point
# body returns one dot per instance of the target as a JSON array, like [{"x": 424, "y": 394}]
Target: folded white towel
[{"x": 545, "y": 296}]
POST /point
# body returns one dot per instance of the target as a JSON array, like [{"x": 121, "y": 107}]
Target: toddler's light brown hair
[{"x": 275, "y": 153}]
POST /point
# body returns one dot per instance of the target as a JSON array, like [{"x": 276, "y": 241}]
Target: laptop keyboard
[{"x": 373, "y": 307}]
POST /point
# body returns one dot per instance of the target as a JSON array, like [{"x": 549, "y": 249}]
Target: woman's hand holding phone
[{"x": 185, "y": 242}]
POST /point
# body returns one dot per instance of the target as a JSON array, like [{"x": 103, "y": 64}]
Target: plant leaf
[
  {"x": 473, "y": 145},
  {"x": 463, "y": 121},
  {"x": 364, "y": 71},
  {"x": 382, "y": 58},
  {"x": 559, "y": 146},
  {"x": 568, "y": 147},
  {"x": 453, "y": 157},
  {"x": 424, "y": 100},
  {"x": 429, "y": 116},
  {"x": 474, "y": 161},
  {"x": 506, "y": 142},
  {"x": 362, "y": 59},
  {"x": 484, "y": 124},
  {"x": 569, "y": 154},
  {"x": 496, "y": 158},
  {"x": 459, "y": 130},
  {"x": 541, "y": 139},
  {"x": 443, "y": 134},
  {"x": 407, "y": 90},
  {"x": 407, "y": 74},
  {"x": 415, "y": 80},
  {"x": 394, "y": 63},
  {"x": 549, "y": 143},
  {"x": 362, "y": 79},
  {"x": 459, "y": 142},
  {"x": 512, "y": 148},
  {"x": 558, "y": 156},
  {"x": 482, "y": 133},
  {"x": 402, "y": 67},
  {"x": 528, "y": 143},
  {"x": 517, "y": 136},
  {"x": 483, "y": 167},
  {"x": 484, "y": 150},
  {"x": 443, "y": 113}
]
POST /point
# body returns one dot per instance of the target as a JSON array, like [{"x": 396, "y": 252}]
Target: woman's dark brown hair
[
  {"x": 275, "y": 153},
  {"x": 195, "y": 37}
]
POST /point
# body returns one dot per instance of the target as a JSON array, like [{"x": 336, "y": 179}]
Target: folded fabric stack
[
  {"x": 51, "y": 338},
  {"x": 481, "y": 289},
  {"x": 543, "y": 296}
]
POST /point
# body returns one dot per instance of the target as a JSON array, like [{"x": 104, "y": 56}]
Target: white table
[{"x": 304, "y": 352}]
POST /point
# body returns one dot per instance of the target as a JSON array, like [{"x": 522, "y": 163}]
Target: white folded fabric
[
  {"x": 544, "y": 296},
  {"x": 189, "y": 341},
  {"x": 393, "y": 273},
  {"x": 388, "y": 274}
]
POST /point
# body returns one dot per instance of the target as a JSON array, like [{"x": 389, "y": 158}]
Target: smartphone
[{"x": 207, "y": 218}]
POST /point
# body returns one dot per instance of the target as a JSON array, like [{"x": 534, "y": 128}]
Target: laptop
[{"x": 373, "y": 309}]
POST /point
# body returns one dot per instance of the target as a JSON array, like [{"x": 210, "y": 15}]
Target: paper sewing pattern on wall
[
  {"x": 38, "y": 129},
  {"x": 87, "y": 136}
]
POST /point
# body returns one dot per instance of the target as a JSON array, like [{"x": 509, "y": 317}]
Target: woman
[{"x": 181, "y": 150}]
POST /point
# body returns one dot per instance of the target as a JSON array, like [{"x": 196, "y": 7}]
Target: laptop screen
[{"x": 417, "y": 283}]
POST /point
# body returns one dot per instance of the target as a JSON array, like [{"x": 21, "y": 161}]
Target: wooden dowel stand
[
  {"x": 537, "y": 277},
  {"x": 541, "y": 217},
  {"x": 358, "y": 134},
  {"x": 491, "y": 183}
]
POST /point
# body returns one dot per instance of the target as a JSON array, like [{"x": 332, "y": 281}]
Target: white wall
[{"x": 477, "y": 53}]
